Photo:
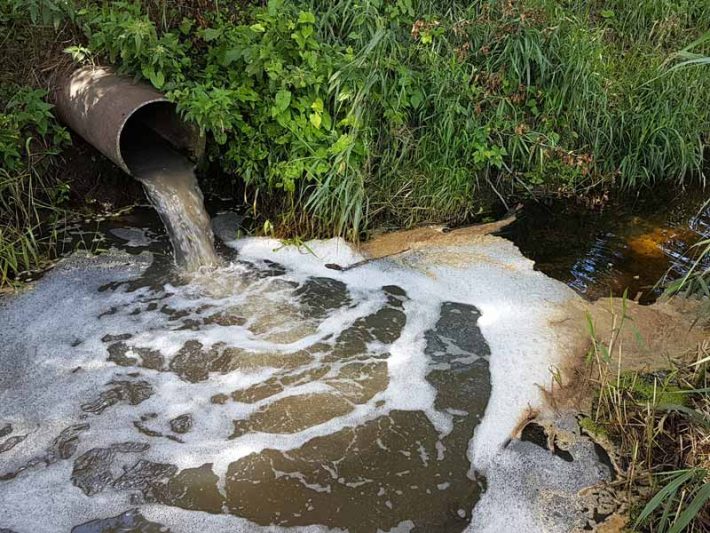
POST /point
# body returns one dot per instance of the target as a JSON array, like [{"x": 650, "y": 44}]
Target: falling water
[{"x": 169, "y": 181}]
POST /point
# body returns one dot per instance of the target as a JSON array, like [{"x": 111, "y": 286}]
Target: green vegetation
[
  {"x": 29, "y": 138},
  {"x": 340, "y": 114},
  {"x": 334, "y": 117},
  {"x": 696, "y": 281},
  {"x": 658, "y": 425}
]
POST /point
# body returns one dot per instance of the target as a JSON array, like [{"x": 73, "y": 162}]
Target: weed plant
[{"x": 659, "y": 425}]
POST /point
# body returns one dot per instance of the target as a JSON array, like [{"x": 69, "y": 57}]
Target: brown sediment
[
  {"x": 647, "y": 339},
  {"x": 651, "y": 244},
  {"x": 613, "y": 524},
  {"x": 651, "y": 335},
  {"x": 417, "y": 238}
]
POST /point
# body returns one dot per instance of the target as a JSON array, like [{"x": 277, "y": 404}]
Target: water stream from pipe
[{"x": 169, "y": 181}]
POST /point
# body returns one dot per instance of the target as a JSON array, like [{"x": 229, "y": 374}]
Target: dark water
[{"x": 603, "y": 252}]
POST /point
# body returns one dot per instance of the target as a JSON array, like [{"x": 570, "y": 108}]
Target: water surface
[{"x": 633, "y": 246}]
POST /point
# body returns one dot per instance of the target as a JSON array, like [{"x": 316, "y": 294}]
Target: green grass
[
  {"x": 334, "y": 117},
  {"x": 30, "y": 193},
  {"x": 658, "y": 427},
  {"x": 28, "y": 212}
]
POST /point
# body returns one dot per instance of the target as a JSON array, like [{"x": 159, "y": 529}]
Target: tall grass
[
  {"x": 20, "y": 244},
  {"x": 510, "y": 99},
  {"x": 441, "y": 111},
  {"x": 30, "y": 193},
  {"x": 659, "y": 24},
  {"x": 659, "y": 426}
]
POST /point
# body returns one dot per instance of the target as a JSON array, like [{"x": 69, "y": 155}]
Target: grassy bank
[
  {"x": 340, "y": 115},
  {"x": 30, "y": 194},
  {"x": 335, "y": 117},
  {"x": 660, "y": 425},
  {"x": 656, "y": 424}
]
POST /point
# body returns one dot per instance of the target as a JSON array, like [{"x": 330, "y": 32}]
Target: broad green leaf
[
  {"x": 283, "y": 100},
  {"x": 148, "y": 72},
  {"x": 210, "y": 34},
  {"x": 327, "y": 122},
  {"x": 306, "y": 17},
  {"x": 344, "y": 142},
  {"x": 158, "y": 80},
  {"x": 317, "y": 105},
  {"x": 416, "y": 99}
]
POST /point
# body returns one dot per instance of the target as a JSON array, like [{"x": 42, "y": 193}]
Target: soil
[{"x": 96, "y": 183}]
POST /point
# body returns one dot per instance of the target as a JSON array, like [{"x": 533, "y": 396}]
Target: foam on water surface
[{"x": 273, "y": 391}]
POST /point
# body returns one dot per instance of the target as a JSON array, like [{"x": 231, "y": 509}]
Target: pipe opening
[{"x": 154, "y": 135}]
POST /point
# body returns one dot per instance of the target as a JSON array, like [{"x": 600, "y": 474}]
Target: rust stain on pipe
[{"x": 104, "y": 107}]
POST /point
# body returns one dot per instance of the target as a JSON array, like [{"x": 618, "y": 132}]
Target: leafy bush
[
  {"x": 339, "y": 114},
  {"x": 29, "y": 138}
]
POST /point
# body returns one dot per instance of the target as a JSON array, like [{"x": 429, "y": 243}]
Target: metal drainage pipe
[{"x": 108, "y": 109}]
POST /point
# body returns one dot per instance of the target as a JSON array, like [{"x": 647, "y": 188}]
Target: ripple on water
[{"x": 251, "y": 390}]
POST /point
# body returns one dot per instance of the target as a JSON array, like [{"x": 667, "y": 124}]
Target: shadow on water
[{"x": 628, "y": 245}]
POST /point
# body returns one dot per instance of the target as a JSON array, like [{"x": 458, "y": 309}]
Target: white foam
[{"x": 42, "y": 394}]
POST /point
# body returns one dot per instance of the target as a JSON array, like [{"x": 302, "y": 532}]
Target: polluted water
[
  {"x": 170, "y": 183},
  {"x": 270, "y": 391}
]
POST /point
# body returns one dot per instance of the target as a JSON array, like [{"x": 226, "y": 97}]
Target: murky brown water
[
  {"x": 259, "y": 392},
  {"x": 170, "y": 183},
  {"x": 631, "y": 245},
  {"x": 394, "y": 468},
  {"x": 295, "y": 368}
]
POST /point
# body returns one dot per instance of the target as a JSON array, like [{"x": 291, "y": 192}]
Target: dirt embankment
[{"x": 637, "y": 338}]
